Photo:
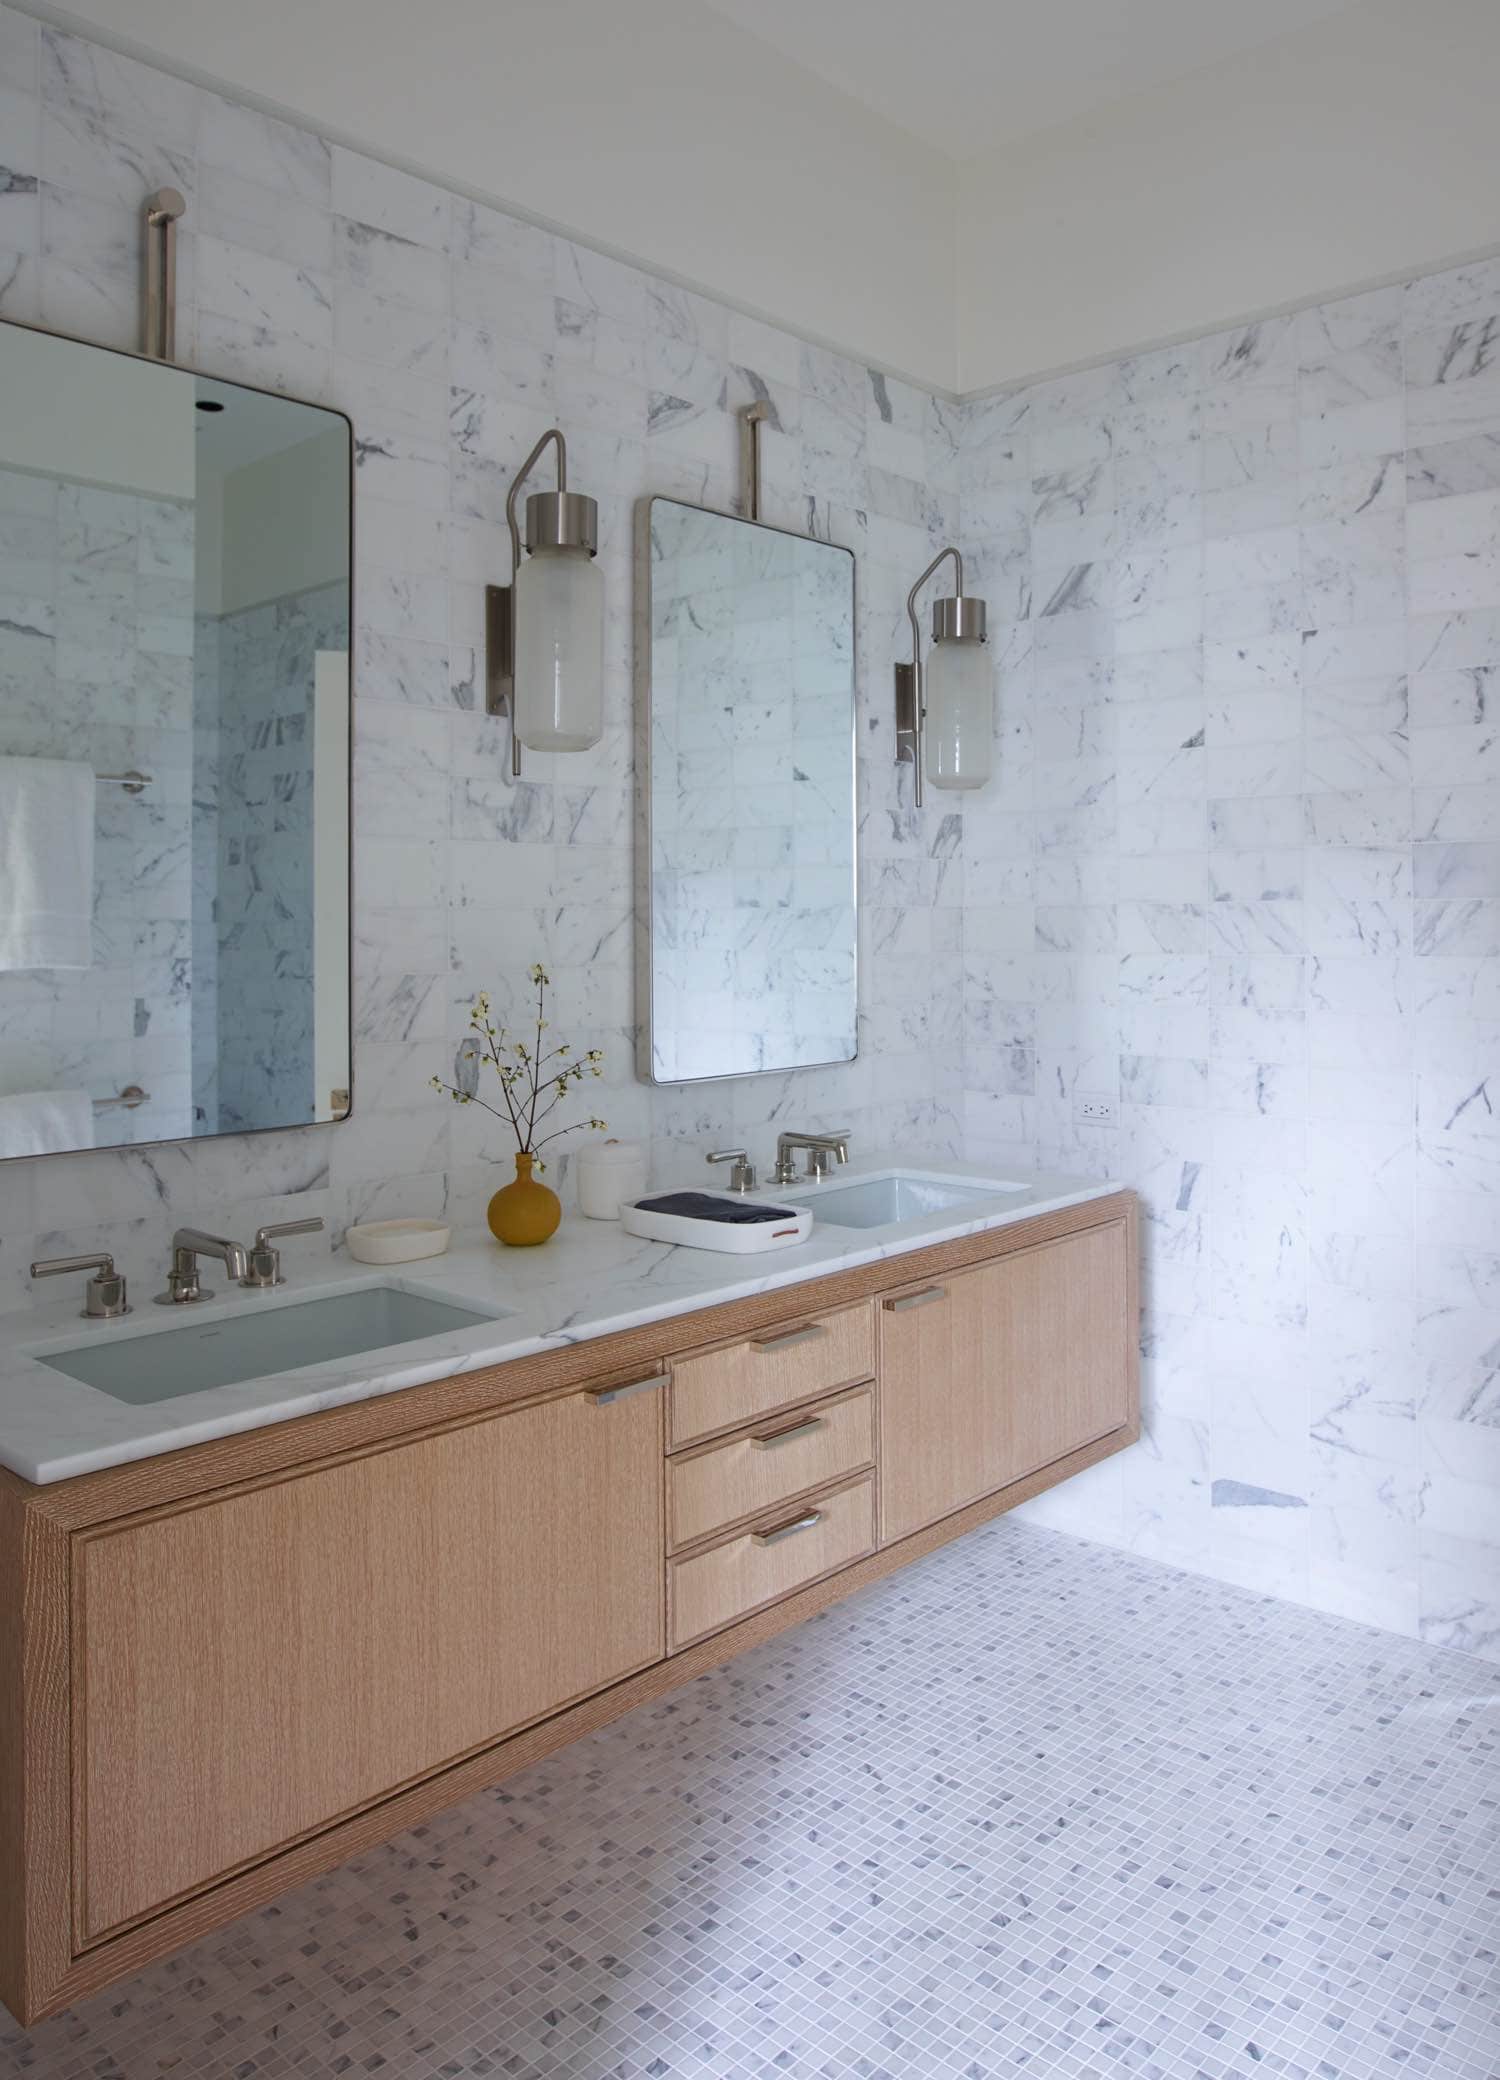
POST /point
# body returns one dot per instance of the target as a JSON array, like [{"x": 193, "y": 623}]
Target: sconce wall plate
[
  {"x": 909, "y": 721},
  {"x": 500, "y": 661}
]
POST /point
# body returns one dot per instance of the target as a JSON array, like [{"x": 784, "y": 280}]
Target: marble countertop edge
[{"x": 53, "y": 1427}]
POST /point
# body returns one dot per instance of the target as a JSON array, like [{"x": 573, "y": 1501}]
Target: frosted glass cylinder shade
[
  {"x": 559, "y": 611},
  {"x": 960, "y": 714}
]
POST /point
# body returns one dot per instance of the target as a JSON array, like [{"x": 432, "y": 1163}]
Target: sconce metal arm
[
  {"x": 911, "y": 597},
  {"x": 553, "y": 433}
]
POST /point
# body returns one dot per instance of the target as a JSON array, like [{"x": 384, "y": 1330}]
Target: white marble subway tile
[
  {"x": 269, "y": 295},
  {"x": 262, "y": 148},
  {"x": 368, "y": 192},
  {"x": 117, "y": 92},
  {"x": 245, "y": 212},
  {"x": 1350, "y": 434},
  {"x": 1456, "y": 813},
  {"x": 368, "y": 257},
  {"x": 89, "y": 276},
  {"x": 1460, "y": 1593},
  {"x": 81, "y": 152},
  {"x": 488, "y": 237},
  {"x": 1454, "y": 294},
  {"x": 1453, "y": 469},
  {"x": 1453, "y": 380},
  {"x": 1463, "y": 926},
  {"x": 373, "y": 328}
]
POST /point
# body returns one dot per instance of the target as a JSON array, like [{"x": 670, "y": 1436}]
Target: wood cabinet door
[
  {"x": 988, "y": 1374},
  {"x": 254, "y": 1667}
]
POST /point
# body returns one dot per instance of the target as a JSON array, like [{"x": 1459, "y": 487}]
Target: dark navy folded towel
[{"x": 700, "y": 1206}]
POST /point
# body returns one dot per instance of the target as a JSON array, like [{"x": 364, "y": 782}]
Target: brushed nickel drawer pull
[
  {"x": 783, "y": 1339},
  {"x": 774, "y": 1437},
  {"x": 787, "y": 1530},
  {"x": 603, "y": 1396},
  {"x": 922, "y": 1299}
]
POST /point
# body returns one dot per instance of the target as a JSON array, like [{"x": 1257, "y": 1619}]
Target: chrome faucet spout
[
  {"x": 188, "y": 1245},
  {"x": 821, "y": 1150}
]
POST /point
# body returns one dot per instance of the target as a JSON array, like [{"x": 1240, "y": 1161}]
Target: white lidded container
[{"x": 610, "y": 1175}]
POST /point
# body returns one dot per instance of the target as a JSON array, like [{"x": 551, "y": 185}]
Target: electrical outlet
[{"x": 1094, "y": 1112}]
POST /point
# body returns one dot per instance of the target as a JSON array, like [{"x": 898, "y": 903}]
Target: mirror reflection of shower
[{"x": 174, "y": 695}]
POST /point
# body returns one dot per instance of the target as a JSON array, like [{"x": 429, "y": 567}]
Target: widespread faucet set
[
  {"x": 823, "y": 1150},
  {"x": 258, "y": 1267}
]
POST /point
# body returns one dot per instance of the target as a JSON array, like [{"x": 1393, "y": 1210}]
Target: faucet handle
[
  {"x": 105, "y": 1295},
  {"x": 263, "y": 1264},
  {"x": 742, "y": 1176}
]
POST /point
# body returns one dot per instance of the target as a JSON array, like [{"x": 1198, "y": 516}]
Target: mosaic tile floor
[{"x": 1029, "y": 1808}]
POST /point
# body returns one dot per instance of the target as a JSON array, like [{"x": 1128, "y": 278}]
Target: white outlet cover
[{"x": 1094, "y": 1112}]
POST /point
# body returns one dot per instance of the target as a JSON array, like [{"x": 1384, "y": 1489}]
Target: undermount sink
[
  {"x": 186, "y": 1356},
  {"x": 898, "y": 1195}
]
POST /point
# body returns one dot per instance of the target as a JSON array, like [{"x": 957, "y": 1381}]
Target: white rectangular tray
[{"x": 730, "y": 1242}]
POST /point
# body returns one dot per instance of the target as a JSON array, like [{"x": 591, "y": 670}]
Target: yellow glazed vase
[{"x": 525, "y": 1212}]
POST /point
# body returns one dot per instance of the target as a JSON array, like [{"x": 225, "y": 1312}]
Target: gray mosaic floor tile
[{"x": 1029, "y": 1808}]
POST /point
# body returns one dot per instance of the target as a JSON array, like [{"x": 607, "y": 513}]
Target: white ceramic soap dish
[{"x": 397, "y": 1242}]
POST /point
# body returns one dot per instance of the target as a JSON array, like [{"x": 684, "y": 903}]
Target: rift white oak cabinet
[
  {"x": 229, "y": 1667},
  {"x": 247, "y": 1669},
  {"x": 1045, "y": 1321}
]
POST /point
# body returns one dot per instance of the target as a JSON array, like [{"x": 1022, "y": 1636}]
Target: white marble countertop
[{"x": 591, "y": 1280}]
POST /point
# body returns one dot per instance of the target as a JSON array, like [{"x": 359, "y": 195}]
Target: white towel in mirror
[
  {"x": 46, "y": 863},
  {"x": 41, "y": 1123}
]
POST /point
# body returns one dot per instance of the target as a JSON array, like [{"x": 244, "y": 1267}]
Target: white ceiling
[{"x": 967, "y": 74}]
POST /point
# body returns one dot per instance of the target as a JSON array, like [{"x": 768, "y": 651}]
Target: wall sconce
[
  {"x": 544, "y": 632},
  {"x": 945, "y": 715}
]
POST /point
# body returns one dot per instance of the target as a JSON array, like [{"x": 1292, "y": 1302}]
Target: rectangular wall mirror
[
  {"x": 748, "y": 937},
  {"x": 174, "y": 752}
]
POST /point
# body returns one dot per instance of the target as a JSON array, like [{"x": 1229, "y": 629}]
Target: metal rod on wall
[
  {"x": 752, "y": 417},
  {"x": 160, "y": 213}
]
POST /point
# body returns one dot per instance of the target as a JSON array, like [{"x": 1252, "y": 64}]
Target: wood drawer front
[
  {"x": 256, "y": 1667},
  {"x": 769, "y": 1560},
  {"x": 785, "y": 1455},
  {"x": 720, "y": 1389}
]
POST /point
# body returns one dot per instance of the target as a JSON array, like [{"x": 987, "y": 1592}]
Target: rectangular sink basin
[
  {"x": 898, "y": 1195},
  {"x": 185, "y": 1357}
]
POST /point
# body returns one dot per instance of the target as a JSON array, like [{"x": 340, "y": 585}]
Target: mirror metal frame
[
  {"x": 645, "y": 966},
  {"x": 187, "y": 368}
]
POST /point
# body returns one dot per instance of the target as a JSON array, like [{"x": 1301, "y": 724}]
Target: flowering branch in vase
[{"x": 533, "y": 1079}]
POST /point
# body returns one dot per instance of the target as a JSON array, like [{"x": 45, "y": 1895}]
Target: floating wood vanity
[{"x": 228, "y": 1668}]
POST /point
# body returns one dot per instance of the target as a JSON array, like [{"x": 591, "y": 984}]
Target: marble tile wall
[
  {"x": 453, "y": 336},
  {"x": 1239, "y": 881}
]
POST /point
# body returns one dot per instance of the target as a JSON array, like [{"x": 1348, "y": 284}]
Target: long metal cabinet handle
[
  {"x": 783, "y": 1340},
  {"x": 775, "y": 1437},
  {"x": 922, "y": 1299},
  {"x": 790, "y": 1529},
  {"x": 602, "y": 1397}
]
